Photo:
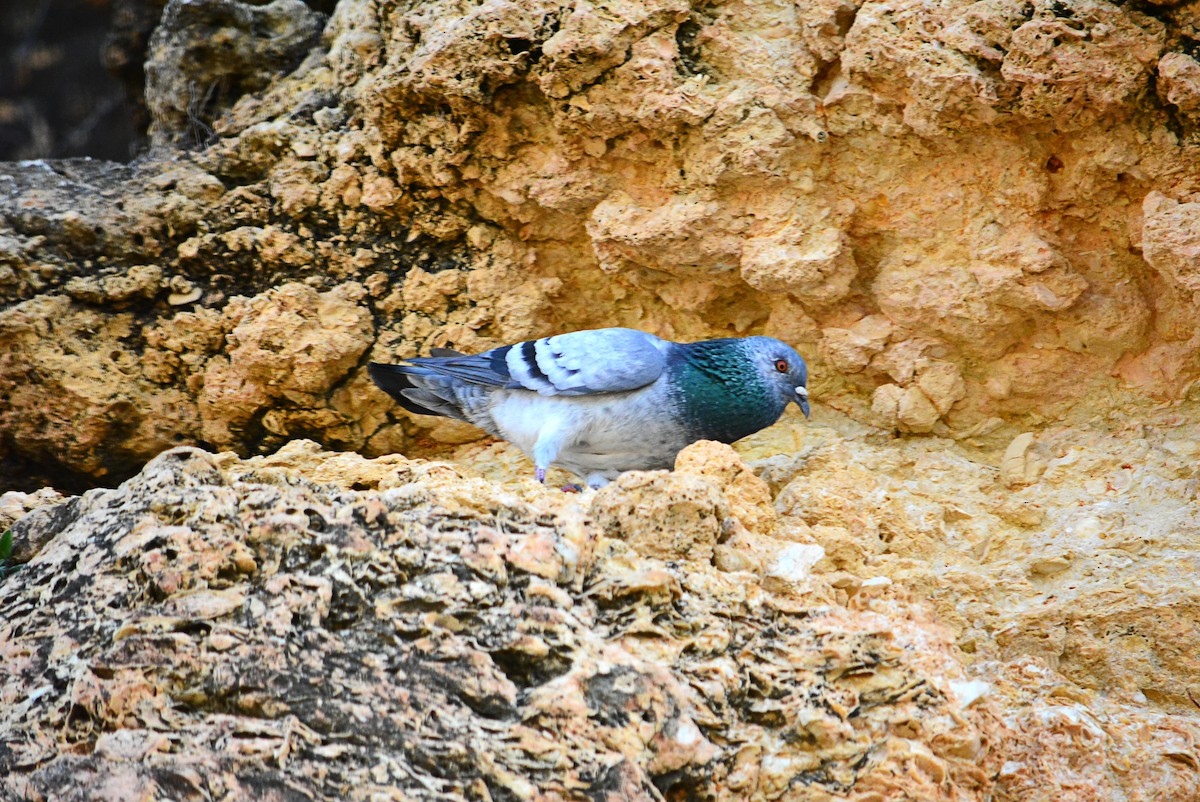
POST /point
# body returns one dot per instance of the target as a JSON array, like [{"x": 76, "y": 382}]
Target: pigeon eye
[{"x": 781, "y": 365}]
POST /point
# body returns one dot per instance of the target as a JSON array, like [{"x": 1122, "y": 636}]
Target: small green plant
[{"x": 6, "y": 548}]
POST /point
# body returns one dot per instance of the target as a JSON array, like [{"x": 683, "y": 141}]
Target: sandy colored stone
[
  {"x": 976, "y": 220},
  {"x": 671, "y": 516},
  {"x": 1021, "y": 465},
  {"x": 907, "y": 409},
  {"x": 551, "y": 652},
  {"x": 942, "y": 383},
  {"x": 748, "y": 496},
  {"x": 814, "y": 266},
  {"x": 885, "y": 404},
  {"x": 292, "y": 346},
  {"x": 886, "y": 186},
  {"x": 15, "y": 504},
  {"x": 1171, "y": 240},
  {"x": 1000, "y": 60},
  {"x": 915, "y": 412},
  {"x": 990, "y": 635},
  {"x": 851, "y": 349}
]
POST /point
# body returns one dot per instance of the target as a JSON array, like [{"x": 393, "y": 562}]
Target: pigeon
[{"x": 603, "y": 401}]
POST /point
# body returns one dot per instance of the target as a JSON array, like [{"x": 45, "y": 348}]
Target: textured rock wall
[
  {"x": 971, "y": 577},
  {"x": 970, "y": 216},
  {"x": 859, "y": 621}
]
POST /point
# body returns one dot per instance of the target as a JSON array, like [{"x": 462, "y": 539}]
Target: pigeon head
[{"x": 782, "y": 369}]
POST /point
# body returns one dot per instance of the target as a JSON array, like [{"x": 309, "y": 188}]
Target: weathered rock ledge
[{"x": 861, "y": 618}]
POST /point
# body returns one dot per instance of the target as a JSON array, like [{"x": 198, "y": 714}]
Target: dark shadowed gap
[
  {"x": 72, "y": 77},
  {"x": 56, "y": 97}
]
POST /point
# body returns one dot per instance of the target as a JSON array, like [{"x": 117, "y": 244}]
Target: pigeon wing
[
  {"x": 579, "y": 363},
  {"x": 587, "y": 362}
]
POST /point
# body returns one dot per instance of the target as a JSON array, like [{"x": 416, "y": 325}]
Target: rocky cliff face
[
  {"x": 972, "y": 577},
  {"x": 319, "y": 626},
  {"x": 969, "y": 216}
]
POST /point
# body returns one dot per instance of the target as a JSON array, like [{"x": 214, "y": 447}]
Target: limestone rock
[
  {"x": 851, "y": 349},
  {"x": 1001, "y": 59},
  {"x": 915, "y": 412},
  {"x": 905, "y": 408},
  {"x": 942, "y": 383},
  {"x": 1021, "y": 466},
  {"x": 889, "y": 180},
  {"x": 901, "y": 607},
  {"x": 287, "y": 349},
  {"x": 205, "y": 52},
  {"x": 815, "y": 266},
  {"x": 1171, "y": 240},
  {"x": 671, "y": 516},
  {"x": 1179, "y": 83},
  {"x": 978, "y": 221},
  {"x": 266, "y": 631},
  {"x": 748, "y": 496}
]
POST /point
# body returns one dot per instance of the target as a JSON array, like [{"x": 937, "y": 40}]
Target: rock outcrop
[
  {"x": 314, "y": 625},
  {"x": 973, "y": 217},
  {"x": 971, "y": 577}
]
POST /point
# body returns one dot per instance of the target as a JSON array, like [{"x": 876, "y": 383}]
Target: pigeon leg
[{"x": 550, "y": 441}]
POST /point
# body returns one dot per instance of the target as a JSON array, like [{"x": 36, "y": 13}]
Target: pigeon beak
[{"x": 802, "y": 400}]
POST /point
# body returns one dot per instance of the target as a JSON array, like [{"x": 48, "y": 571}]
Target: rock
[
  {"x": 850, "y": 350},
  {"x": 942, "y": 383},
  {"x": 905, "y": 408},
  {"x": 915, "y": 412},
  {"x": 1002, "y": 61},
  {"x": 670, "y": 516},
  {"x": 1045, "y": 566},
  {"x": 143, "y": 280},
  {"x": 1020, "y": 512},
  {"x": 827, "y": 174},
  {"x": 976, "y": 220},
  {"x": 978, "y": 302},
  {"x": 14, "y": 504},
  {"x": 885, "y": 404},
  {"x": 814, "y": 266},
  {"x": 922, "y": 609},
  {"x": 290, "y": 347},
  {"x": 1179, "y": 83},
  {"x": 287, "y": 607},
  {"x": 1171, "y": 240},
  {"x": 747, "y": 496},
  {"x": 1020, "y": 466},
  {"x": 205, "y": 53},
  {"x": 678, "y": 238}
]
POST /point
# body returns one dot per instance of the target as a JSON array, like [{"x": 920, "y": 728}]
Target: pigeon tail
[{"x": 411, "y": 388}]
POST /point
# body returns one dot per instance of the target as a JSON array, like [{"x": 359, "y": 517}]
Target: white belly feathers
[{"x": 595, "y": 436}]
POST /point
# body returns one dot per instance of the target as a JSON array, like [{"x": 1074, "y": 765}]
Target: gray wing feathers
[
  {"x": 434, "y": 403},
  {"x": 452, "y": 398},
  {"x": 477, "y": 369},
  {"x": 587, "y": 362}
]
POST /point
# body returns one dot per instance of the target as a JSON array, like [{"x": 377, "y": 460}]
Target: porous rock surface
[
  {"x": 971, "y": 577},
  {"x": 970, "y": 216},
  {"x": 316, "y": 625}
]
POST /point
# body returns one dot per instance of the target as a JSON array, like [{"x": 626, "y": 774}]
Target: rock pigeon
[{"x": 604, "y": 401}]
